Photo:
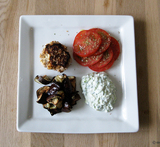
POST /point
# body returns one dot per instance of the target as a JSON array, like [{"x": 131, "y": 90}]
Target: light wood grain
[{"x": 147, "y": 29}]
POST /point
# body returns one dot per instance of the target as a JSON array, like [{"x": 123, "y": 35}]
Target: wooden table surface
[{"x": 147, "y": 35}]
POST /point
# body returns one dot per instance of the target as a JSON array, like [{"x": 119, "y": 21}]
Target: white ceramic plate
[{"x": 34, "y": 33}]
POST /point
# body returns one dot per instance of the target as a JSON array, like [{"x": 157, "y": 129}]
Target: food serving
[
  {"x": 97, "y": 59},
  {"x": 60, "y": 96},
  {"x": 86, "y": 61},
  {"x": 86, "y": 43},
  {"x": 94, "y": 48},
  {"x": 99, "y": 91},
  {"x": 55, "y": 56},
  {"x": 106, "y": 40}
]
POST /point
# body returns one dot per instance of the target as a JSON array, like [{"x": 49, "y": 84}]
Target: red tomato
[
  {"x": 105, "y": 67},
  {"x": 86, "y": 61},
  {"x": 86, "y": 43},
  {"x": 115, "y": 48},
  {"x": 106, "y": 40},
  {"x": 107, "y": 57}
]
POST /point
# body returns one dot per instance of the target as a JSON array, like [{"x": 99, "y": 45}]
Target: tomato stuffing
[{"x": 86, "y": 43}]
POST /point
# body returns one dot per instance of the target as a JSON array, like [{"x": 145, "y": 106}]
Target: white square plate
[{"x": 34, "y": 33}]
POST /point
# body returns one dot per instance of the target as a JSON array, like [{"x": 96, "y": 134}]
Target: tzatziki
[{"x": 99, "y": 91}]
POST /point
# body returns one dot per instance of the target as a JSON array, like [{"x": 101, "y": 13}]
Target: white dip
[{"x": 99, "y": 91}]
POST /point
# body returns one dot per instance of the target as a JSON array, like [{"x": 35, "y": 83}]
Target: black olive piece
[{"x": 43, "y": 79}]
